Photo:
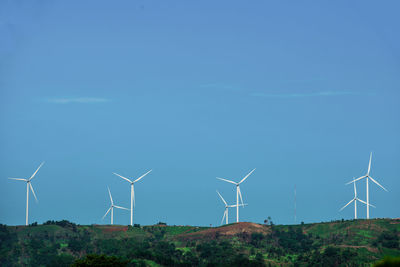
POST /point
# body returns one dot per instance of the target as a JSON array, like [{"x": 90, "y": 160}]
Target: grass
[
  {"x": 40, "y": 229},
  {"x": 390, "y": 252},
  {"x": 184, "y": 249},
  {"x": 364, "y": 253},
  {"x": 339, "y": 233},
  {"x": 176, "y": 230},
  {"x": 151, "y": 263}
]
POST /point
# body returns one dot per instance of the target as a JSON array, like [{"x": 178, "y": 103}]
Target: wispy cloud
[
  {"x": 297, "y": 95},
  {"x": 81, "y": 100}
]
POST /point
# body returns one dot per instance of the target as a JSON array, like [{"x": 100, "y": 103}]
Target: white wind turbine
[
  {"x": 132, "y": 191},
  {"x": 28, "y": 185},
  {"x": 112, "y": 208},
  {"x": 367, "y": 179},
  {"x": 226, "y": 214},
  {"x": 238, "y": 193},
  {"x": 355, "y": 199}
]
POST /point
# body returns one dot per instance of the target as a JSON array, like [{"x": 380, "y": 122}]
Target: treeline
[
  {"x": 45, "y": 248},
  {"x": 39, "y": 251},
  {"x": 62, "y": 223},
  {"x": 141, "y": 246}
]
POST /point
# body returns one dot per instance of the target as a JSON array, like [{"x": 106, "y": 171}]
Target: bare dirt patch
[
  {"x": 114, "y": 228},
  {"x": 370, "y": 249},
  {"x": 226, "y": 231}
]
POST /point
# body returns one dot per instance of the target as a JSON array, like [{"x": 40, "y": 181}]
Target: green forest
[{"x": 336, "y": 243}]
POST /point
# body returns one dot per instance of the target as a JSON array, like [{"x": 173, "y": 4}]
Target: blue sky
[{"x": 302, "y": 91}]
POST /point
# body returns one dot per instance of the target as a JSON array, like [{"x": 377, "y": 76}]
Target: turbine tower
[
  {"x": 112, "y": 208},
  {"x": 28, "y": 185},
  {"x": 132, "y": 191},
  {"x": 226, "y": 215},
  {"x": 367, "y": 177},
  {"x": 355, "y": 199},
  {"x": 238, "y": 193}
]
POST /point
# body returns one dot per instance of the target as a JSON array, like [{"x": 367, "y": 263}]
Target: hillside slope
[{"x": 349, "y": 243}]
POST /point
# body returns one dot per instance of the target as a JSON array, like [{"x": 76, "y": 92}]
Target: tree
[
  {"x": 76, "y": 245},
  {"x": 389, "y": 239},
  {"x": 100, "y": 261},
  {"x": 256, "y": 239},
  {"x": 388, "y": 262},
  {"x": 259, "y": 260},
  {"x": 62, "y": 260}
]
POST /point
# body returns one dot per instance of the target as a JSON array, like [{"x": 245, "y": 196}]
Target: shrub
[{"x": 100, "y": 260}]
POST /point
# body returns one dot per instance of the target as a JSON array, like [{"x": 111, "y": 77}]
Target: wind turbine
[
  {"x": 238, "y": 193},
  {"x": 112, "y": 208},
  {"x": 132, "y": 191},
  {"x": 226, "y": 215},
  {"x": 367, "y": 177},
  {"x": 355, "y": 199},
  {"x": 28, "y": 185}
]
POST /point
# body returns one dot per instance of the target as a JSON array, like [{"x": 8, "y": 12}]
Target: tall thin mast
[{"x": 295, "y": 203}]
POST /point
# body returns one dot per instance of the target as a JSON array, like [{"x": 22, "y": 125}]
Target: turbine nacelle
[
  {"x": 132, "y": 181},
  {"x": 227, "y": 208},
  {"x": 367, "y": 177},
  {"x": 356, "y": 199},
  {"x": 132, "y": 190},
  {"x": 111, "y": 208},
  {"x": 29, "y": 186},
  {"x": 238, "y": 192}
]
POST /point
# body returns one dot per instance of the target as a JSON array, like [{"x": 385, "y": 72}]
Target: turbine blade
[
  {"x": 362, "y": 201},
  {"x": 232, "y": 182},
  {"x": 359, "y": 178},
  {"x": 223, "y": 217},
  {"x": 240, "y": 195},
  {"x": 247, "y": 176},
  {"x": 234, "y": 206},
  {"x": 369, "y": 165},
  {"x": 33, "y": 175},
  {"x": 30, "y": 185},
  {"x": 142, "y": 176},
  {"x": 19, "y": 179},
  {"x": 122, "y": 208},
  {"x": 122, "y": 177},
  {"x": 106, "y": 213},
  {"x": 355, "y": 190},
  {"x": 373, "y": 180},
  {"x": 346, "y": 204},
  {"x": 112, "y": 202},
  {"x": 222, "y": 198}
]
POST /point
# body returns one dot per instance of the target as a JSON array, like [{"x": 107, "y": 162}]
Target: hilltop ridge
[{"x": 353, "y": 242}]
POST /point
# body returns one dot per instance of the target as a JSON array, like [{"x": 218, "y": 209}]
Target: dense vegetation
[{"x": 62, "y": 243}]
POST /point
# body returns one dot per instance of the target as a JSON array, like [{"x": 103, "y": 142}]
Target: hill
[{"x": 338, "y": 243}]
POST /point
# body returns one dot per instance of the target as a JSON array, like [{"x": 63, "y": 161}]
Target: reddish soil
[
  {"x": 188, "y": 230},
  {"x": 116, "y": 228},
  {"x": 374, "y": 250},
  {"x": 244, "y": 228}
]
